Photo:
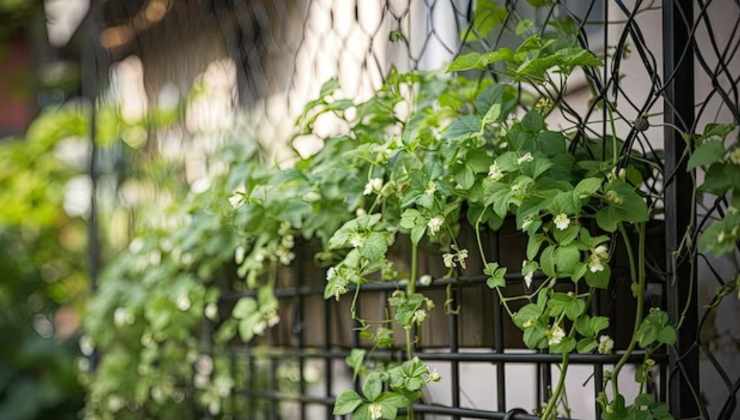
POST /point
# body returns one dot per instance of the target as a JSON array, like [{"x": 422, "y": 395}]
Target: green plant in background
[
  {"x": 43, "y": 273},
  {"x": 426, "y": 157}
]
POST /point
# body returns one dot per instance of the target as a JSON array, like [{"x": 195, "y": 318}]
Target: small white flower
[
  {"x": 204, "y": 365},
  {"x": 260, "y": 327},
  {"x": 259, "y": 256},
  {"x": 462, "y": 255},
  {"x": 223, "y": 385},
  {"x": 211, "y": 311},
  {"x": 434, "y": 376},
  {"x": 87, "y": 347},
  {"x": 235, "y": 200},
  {"x": 357, "y": 240},
  {"x": 595, "y": 265},
  {"x": 115, "y": 403},
  {"x": 735, "y": 156},
  {"x": 311, "y": 197},
  {"x": 527, "y": 221},
  {"x": 360, "y": 212},
  {"x": 435, "y": 223},
  {"x": 606, "y": 344},
  {"x": 601, "y": 252},
  {"x": 721, "y": 236},
  {"x": 273, "y": 320},
  {"x": 419, "y": 316},
  {"x": 83, "y": 364},
  {"x": 373, "y": 186},
  {"x": 239, "y": 254},
  {"x": 136, "y": 246},
  {"x": 286, "y": 258},
  {"x": 214, "y": 407},
  {"x": 431, "y": 188},
  {"x": 201, "y": 381},
  {"x": 121, "y": 317},
  {"x": 527, "y": 157},
  {"x": 562, "y": 221},
  {"x": 375, "y": 410},
  {"x": 556, "y": 335},
  {"x": 494, "y": 172},
  {"x": 449, "y": 260},
  {"x": 528, "y": 274},
  {"x": 183, "y": 302},
  {"x": 425, "y": 280}
]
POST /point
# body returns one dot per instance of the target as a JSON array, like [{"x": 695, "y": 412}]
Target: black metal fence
[{"x": 669, "y": 67}]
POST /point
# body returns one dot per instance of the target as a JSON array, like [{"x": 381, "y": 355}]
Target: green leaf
[
  {"x": 565, "y": 237},
  {"x": 372, "y": 387},
  {"x": 608, "y": 219},
  {"x": 465, "y": 177},
  {"x": 529, "y": 312},
  {"x": 566, "y": 258},
  {"x": 547, "y": 261},
  {"x": 478, "y": 61},
  {"x": 374, "y": 247},
  {"x": 496, "y": 275},
  {"x": 587, "y": 187},
  {"x": 600, "y": 279},
  {"x": 487, "y": 15},
  {"x": 667, "y": 335},
  {"x": 533, "y": 245},
  {"x": 463, "y": 127},
  {"x": 586, "y": 345},
  {"x": 347, "y": 402},
  {"x": 417, "y": 232},
  {"x": 245, "y": 307},
  {"x": 599, "y": 323},
  {"x": 567, "y": 345},
  {"x": 706, "y": 154},
  {"x": 356, "y": 359}
]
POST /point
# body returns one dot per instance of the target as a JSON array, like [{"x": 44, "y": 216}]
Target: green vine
[{"x": 465, "y": 153}]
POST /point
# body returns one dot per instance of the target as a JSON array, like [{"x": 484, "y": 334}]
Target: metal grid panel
[
  {"x": 685, "y": 25},
  {"x": 262, "y": 37}
]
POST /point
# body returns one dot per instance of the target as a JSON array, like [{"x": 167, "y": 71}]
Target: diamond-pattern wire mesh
[{"x": 666, "y": 64}]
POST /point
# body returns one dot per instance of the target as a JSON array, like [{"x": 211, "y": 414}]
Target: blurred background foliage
[{"x": 44, "y": 281}]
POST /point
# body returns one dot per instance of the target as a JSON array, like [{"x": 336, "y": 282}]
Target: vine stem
[
  {"x": 639, "y": 295},
  {"x": 548, "y": 413},
  {"x": 504, "y": 300},
  {"x": 411, "y": 288}
]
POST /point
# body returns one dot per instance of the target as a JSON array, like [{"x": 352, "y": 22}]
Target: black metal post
[{"x": 678, "y": 69}]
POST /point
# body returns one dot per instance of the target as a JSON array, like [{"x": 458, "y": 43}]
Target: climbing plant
[{"x": 428, "y": 155}]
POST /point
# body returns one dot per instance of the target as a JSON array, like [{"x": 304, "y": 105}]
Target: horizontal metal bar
[
  {"x": 439, "y": 283},
  {"x": 470, "y": 357},
  {"x": 419, "y": 408}
]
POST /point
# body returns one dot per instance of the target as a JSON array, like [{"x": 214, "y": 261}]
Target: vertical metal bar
[
  {"x": 453, "y": 329},
  {"x": 251, "y": 385},
  {"x": 89, "y": 85},
  {"x": 328, "y": 361},
  {"x": 89, "y": 82},
  {"x": 598, "y": 367},
  {"x": 498, "y": 339},
  {"x": 299, "y": 327},
  {"x": 275, "y": 388},
  {"x": 235, "y": 372},
  {"x": 678, "y": 60}
]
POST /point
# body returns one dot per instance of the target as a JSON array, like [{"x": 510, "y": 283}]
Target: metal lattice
[{"x": 668, "y": 66}]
